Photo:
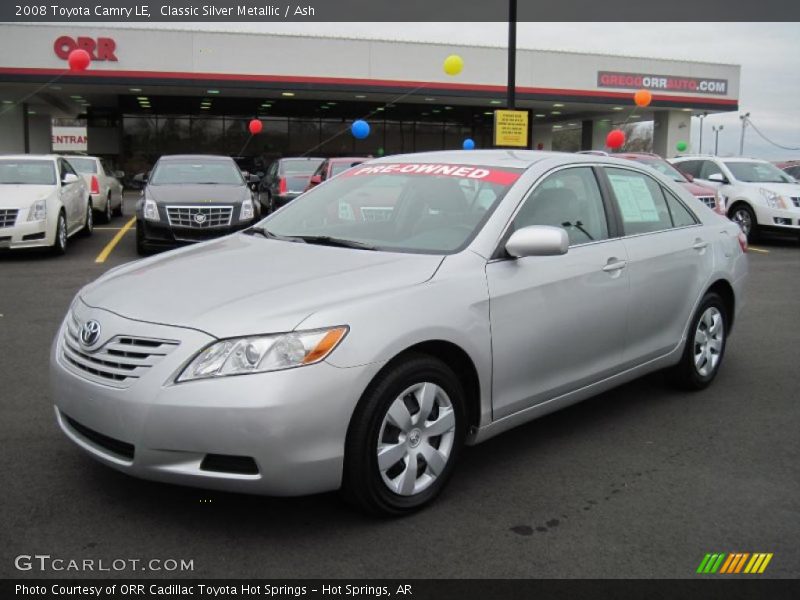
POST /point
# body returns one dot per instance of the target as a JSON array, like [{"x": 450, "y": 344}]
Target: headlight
[
  {"x": 247, "y": 210},
  {"x": 151, "y": 210},
  {"x": 773, "y": 200},
  {"x": 38, "y": 211},
  {"x": 259, "y": 354}
]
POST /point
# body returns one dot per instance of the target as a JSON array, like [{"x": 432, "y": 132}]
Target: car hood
[
  {"x": 242, "y": 285},
  {"x": 197, "y": 193},
  {"x": 698, "y": 190},
  {"x": 22, "y": 196}
]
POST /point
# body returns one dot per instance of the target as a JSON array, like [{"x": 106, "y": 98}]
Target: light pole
[
  {"x": 716, "y": 129},
  {"x": 744, "y": 119},
  {"x": 512, "y": 55},
  {"x": 701, "y": 117}
]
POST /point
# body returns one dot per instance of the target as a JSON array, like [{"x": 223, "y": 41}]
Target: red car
[
  {"x": 333, "y": 166},
  {"x": 706, "y": 195},
  {"x": 792, "y": 167}
]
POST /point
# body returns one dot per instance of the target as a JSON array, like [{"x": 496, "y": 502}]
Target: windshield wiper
[
  {"x": 269, "y": 235},
  {"x": 326, "y": 240}
]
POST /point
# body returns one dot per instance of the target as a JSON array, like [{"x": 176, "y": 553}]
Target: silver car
[{"x": 357, "y": 338}]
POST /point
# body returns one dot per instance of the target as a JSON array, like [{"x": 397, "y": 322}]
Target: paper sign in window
[{"x": 635, "y": 199}]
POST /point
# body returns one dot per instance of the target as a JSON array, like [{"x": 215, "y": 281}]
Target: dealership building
[{"x": 157, "y": 91}]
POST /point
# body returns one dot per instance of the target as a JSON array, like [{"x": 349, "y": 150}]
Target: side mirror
[
  {"x": 119, "y": 174},
  {"x": 69, "y": 178},
  {"x": 718, "y": 178},
  {"x": 538, "y": 240},
  {"x": 315, "y": 180},
  {"x": 689, "y": 177},
  {"x": 251, "y": 178}
]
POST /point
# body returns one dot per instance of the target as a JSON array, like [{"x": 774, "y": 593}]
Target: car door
[
  {"x": 669, "y": 260},
  {"x": 558, "y": 322}
]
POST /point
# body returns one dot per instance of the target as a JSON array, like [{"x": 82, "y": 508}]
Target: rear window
[
  {"x": 27, "y": 172},
  {"x": 399, "y": 207},
  {"x": 85, "y": 166},
  {"x": 339, "y": 167},
  {"x": 300, "y": 167}
]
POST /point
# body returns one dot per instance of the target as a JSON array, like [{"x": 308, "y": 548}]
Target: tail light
[
  {"x": 282, "y": 185},
  {"x": 742, "y": 241},
  {"x": 95, "y": 185}
]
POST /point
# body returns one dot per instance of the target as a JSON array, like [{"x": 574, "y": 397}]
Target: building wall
[{"x": 12, "y": 129}]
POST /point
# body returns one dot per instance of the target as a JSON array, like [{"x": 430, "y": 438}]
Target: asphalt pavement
[{"x": 641, "y": 481}]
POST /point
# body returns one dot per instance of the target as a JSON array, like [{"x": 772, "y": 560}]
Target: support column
[
  {"x": 669, "y": 128},
  {"x": 12, "y": 129},
  {"x": 587, "y": 135}
]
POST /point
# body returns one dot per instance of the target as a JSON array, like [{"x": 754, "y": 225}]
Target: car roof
[
  {"x": 348, "y": 158},
  {"x": 516, "y": 159},
  {"x": 195, "y": 156},
  {"x": 288, "y": 158},
  {"x": 30, "y": 156}
]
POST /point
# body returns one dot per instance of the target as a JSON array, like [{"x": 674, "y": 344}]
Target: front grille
[
  {"x": 796, "y": 201},
  {"x": 114, "y": 446},
  {"x": 199, "y": 217},
  {"x": 8, "y": 216},
  {"x": 709, "y": 201},
  {"x": 119, "y": 362}
]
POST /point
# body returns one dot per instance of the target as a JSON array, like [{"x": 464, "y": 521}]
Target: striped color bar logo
[{"x": 734, "y": 563}]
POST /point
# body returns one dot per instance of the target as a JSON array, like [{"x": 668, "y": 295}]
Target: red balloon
[
  {"x": 255, "y": 126},
  {"x": 615, "y": 139},
  {"x": 79, "y": 60}
]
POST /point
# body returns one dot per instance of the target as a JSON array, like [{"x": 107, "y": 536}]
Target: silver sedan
[{"x": 357, "y": 338}]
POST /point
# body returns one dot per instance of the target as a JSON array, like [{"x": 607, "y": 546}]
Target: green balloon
[
  {"x": 681, "y": 146},
  {"x": 380, "y": 152}
]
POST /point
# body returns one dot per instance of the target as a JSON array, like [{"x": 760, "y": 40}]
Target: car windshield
[
  {"x": 27, "y": 172},
  {"x": 663, "y": 167},
  {"x": 199, "y": 171},
  {"x": 300, "y": 167},
  {"x": 757, "y": 172},
  {"x": 86, "y": 166},
  {"x": 397, "y": 207}
]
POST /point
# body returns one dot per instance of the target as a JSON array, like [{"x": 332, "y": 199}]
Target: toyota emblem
[
  {"x": 199, "y": 218},
  {"x": 90, "y": 333}
]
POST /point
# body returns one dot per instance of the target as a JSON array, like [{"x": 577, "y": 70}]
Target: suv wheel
[
  {"x": 743, "y": 215},
  {"x": 59, "y": 246}
]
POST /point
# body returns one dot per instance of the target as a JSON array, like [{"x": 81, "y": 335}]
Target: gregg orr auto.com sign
[{"x": 664, "y": 83}]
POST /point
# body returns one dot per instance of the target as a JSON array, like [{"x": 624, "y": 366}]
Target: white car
[
  {"x": 43, "y": 202},
  {"x": 759, "y": 196},
  {"x": 103, "y": 184}
]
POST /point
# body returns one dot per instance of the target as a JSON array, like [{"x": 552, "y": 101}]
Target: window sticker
[{"x": 635, "y": 200}]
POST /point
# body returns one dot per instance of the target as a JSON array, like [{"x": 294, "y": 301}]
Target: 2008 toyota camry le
[{"x": 357, "y": 338}]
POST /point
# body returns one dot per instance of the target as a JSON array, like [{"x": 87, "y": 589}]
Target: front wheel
[
  {"x": 59, "y": 246},
  {"x": 405, "y": 437},
  {"x": 705, "y": 346},
  {"x": 745, "y": 218}
]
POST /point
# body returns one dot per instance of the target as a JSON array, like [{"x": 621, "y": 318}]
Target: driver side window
[{"x": 570, "y": 199}]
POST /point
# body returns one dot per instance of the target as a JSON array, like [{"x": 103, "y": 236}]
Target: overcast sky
[{"x": 769, "y": 54}]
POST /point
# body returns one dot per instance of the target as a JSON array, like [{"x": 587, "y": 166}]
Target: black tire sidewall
[
  {"x": 61, "y": 223},
  {"x": 689, "y": 372},
  {"x": 753, "y": 234},
  {"x": 362, "y": 479}
]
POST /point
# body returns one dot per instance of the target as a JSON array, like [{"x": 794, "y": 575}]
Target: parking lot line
[
  {"x": 750, "y": 248},
  {"x": 101, "y": 258}
]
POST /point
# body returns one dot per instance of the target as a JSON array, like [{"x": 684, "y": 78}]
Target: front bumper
[
  {"x": 778, "y": 218},
  {"x": 27, "y": 234},
  {"x": 291, "y": 423},
  {"x": 160, "y": 233}
]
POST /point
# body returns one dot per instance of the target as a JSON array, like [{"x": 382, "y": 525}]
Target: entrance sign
[{"x": 69, "y": 139}]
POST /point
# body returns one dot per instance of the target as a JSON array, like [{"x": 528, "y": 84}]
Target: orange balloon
[{"x": 643, "y": 98}]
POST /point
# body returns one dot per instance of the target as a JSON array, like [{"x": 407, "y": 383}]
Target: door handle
[
  {"x": 700, "y": 244},
  {"x": 615, "y": 265}
]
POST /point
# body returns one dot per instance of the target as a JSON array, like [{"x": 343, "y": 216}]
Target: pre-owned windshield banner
[{"x": 500, "y": 176}]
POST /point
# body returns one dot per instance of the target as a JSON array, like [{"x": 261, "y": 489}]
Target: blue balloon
[
  {"x": 469, "y": 144},
  {"x": 359, "y": 129}
]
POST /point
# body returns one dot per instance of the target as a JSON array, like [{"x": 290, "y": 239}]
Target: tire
[
  {"x": 389, "y": 416},
  {"x": 705, "y": 345},
  {"x": 118, "y": 211},
  {"x": 142, "y": 249},
  {"x": 105, "y": 216},
  {"x": 88, "y": 223},
  {"x": 59, "y": 247},
  {"x": 741, "y": 214}
]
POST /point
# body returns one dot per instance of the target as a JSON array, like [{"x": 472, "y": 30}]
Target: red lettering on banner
[{"x": 461, "y": 171}]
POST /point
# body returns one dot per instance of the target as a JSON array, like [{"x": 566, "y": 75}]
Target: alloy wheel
[
  {"x": 62, "y": 232},
  {"x": 416, "y": 439},
  {"x": 742, "y": 218},
  {"x": 708, "y": 339}
]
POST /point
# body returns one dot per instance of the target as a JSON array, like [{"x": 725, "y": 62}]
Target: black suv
[{"x": 191, "y": 198}]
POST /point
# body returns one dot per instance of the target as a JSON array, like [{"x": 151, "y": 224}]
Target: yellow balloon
[{"x": 453, "y": 64}]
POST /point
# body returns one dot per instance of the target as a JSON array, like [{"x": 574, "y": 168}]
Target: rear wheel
[
  {"x": 118, "y": 210},
  {"x": 405, "y": 437},
  {"x": 105, "y": 216},
  {"x": 705, "y": 346}
]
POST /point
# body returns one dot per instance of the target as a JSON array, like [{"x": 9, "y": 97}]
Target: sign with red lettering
[
  {"x": 663, "y": 83},
  {"x": 503, "y": 177},
  {"x": 102, "y": 48},
  {"x": 69, "y": 139}
]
